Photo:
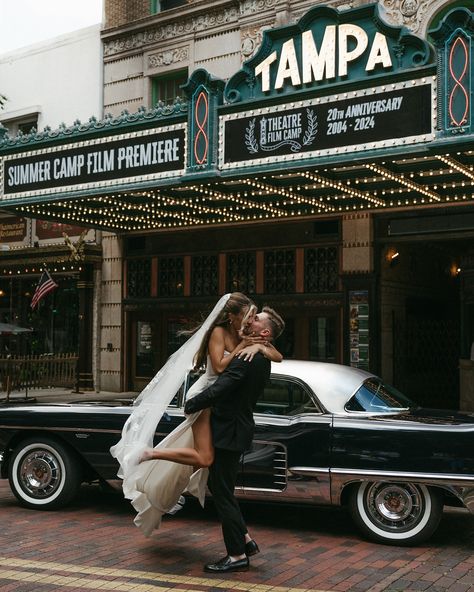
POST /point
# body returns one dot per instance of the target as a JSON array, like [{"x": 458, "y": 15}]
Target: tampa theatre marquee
[{"x": 325, "y": 106}]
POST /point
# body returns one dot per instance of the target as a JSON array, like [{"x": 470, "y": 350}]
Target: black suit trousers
[{"x": 222, "y": 479}]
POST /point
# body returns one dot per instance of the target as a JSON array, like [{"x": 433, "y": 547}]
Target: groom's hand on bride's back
[{"x": 190, "y": 407}]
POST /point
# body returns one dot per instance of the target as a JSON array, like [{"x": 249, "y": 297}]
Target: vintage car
[{"x": 326, "y": 434}]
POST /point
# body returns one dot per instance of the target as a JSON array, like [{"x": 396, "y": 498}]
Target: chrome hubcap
[
  {"x": 394, "y": 506},
  {"x": 40, "y": 473}
]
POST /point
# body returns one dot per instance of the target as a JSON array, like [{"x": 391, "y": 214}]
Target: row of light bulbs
[
  {"x": 34, "y": 270},
  {"x": 118, "y": 212}
]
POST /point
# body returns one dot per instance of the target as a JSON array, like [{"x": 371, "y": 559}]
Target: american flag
[{"x": 45, "y": 285}]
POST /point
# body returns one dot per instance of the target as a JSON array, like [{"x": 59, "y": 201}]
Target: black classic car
[{"x": 325, "y": 434}]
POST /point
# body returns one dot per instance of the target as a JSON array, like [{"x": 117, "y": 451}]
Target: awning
[
  {"x": 434, "y": 179},
  {"x": 298, "y": 131}
]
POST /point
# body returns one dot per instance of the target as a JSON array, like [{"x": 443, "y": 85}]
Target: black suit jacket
[{"x": 232, "y": 399}]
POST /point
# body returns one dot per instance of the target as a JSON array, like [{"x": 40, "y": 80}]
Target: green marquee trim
[
  {"x": 409, "y": 54},
  {"x": 108, "y": 126}
]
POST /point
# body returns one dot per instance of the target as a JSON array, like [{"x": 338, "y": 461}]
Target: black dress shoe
[
  {"x": 251, "y": 548},
  {"x": 226, "y": 564}
]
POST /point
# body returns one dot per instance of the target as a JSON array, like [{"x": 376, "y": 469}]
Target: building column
[{"x": 111, "y": 338}]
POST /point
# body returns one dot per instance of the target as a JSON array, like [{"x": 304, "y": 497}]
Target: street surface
[{"x": 93, "y": 545}]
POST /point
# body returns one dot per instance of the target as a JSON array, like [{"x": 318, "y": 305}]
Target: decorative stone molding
[
  {"x": 343, "y": 4},
  {"x": 252, "y": 6},
  {"x": 168, "y": 57},
  {"x": 251, "y": 39},
  {"x": 352, "y": 244},
  {"x": 409, "y": 13},
  {"x": 339, "y": 4},
  {"x": 356, "y": 216},
  {"x": 172, "y": 30}
]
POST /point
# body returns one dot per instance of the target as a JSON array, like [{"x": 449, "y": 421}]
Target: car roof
[{"x": 333, "y": 384}]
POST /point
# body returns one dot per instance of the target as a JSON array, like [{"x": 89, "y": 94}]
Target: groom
[{"x": 232, "y": 399}]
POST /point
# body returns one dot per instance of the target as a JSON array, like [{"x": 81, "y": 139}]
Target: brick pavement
[{"x": 93, "y": 545}]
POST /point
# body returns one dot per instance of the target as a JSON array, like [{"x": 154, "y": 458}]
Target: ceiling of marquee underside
[{"x": 436, "y": 179}]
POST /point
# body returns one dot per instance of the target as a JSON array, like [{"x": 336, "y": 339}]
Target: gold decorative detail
[{"x": 77, "y": 249}]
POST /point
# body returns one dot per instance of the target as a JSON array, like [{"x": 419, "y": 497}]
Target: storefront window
[
  {"x": 241, "y": 272},
  {"x": 322, "y": 339},
  {"x": 280, "y": 272},
  {"x": 54, "y": 321},
  {"x": 170, "y": 276},
  {"x": 321, "y": 269},
  {"x": 138, "y": 278},
  {"x": 204, "y": 275},
  {"x": 175, "y": 337}
]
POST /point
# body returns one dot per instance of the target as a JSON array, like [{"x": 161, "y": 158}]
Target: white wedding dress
[
  {"x": 154, "y": 487},
  {"x": 160, "y": 483}
]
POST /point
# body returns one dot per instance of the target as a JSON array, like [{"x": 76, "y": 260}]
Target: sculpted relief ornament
[
  {"x": 250, "y": 41},
  {"x": 252, "y": 6},
  {"x": 405, "y": 12},
  {"x": 168, "y": 57},
  {"x": 172, "y": 30}
]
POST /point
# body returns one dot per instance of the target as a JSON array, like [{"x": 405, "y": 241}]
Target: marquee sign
[
  {"x": 146, "y": 155},
  {"x": 404, "y": 113},
  {"x": 328, "y": 48}
]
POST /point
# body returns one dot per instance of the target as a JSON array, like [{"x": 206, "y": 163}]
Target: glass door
[{"x": 311, "y": 334}]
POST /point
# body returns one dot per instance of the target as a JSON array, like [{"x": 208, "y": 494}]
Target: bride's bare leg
[{"x": 202, "y": 455}]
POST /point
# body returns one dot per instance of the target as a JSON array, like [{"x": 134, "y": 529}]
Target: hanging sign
[
  {"x": 12, "y": 230},
  {"x": 328, "y": 48},
  {"x": 151, "y": 154},
  {"x": 324, "y": 126}
]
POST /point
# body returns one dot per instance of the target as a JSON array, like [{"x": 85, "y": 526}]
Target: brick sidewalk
[{"x": 94, "y": 545}]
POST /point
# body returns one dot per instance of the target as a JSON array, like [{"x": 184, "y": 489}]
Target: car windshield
[{"x": 377, "y": 397}]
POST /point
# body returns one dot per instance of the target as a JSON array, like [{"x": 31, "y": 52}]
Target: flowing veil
[{"x": 139, "y": 429}]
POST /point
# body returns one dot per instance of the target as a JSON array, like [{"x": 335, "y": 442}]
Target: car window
[
  {"x": 376, "y": 396},
  {"x": 285, "y": 397}
]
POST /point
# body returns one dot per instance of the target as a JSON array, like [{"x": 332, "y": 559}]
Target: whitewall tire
[
  {"x": 43, "y": 474},
  {"x": 396, "y": 513}
]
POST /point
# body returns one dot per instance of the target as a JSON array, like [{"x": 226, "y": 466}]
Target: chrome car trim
[
  {"x": 462, "y": 486},
  {"x": 242, "y": 489},
  {"x": 397, "y": 475},
  {"x": 61, "y": 429},
  {"x": 309, "y": 471},
  {"x": 385, "y": 422},
  {"x": 279, "y": 420}
]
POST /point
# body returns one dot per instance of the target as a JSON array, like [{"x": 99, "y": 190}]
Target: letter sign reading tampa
[
  {"x": 335, "y": 82},
  {"x": 341, "y": 45}
]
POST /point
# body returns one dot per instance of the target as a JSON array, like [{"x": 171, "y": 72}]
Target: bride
[{"x": 154, "y": 487}]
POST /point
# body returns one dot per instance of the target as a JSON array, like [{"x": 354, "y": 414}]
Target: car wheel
[
  {"x": 396, "y": 513},
  {"x": 43, "y": 474}
]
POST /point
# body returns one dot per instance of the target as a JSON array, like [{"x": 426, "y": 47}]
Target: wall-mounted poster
[
  {"x": 144, "y": 350},
  {"x": 359, "y": 328}
]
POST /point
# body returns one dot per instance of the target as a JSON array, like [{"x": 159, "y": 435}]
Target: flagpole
[{"x": 45, "y": 268}]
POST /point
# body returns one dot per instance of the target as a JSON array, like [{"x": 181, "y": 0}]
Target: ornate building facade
[{"x": 364, "y": 246}]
